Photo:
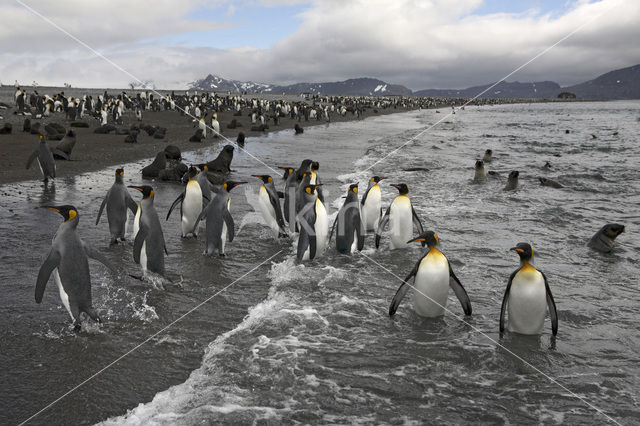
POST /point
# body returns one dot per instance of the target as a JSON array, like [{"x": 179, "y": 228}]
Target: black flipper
[
  {"x": 280, "y": 194},
  {"x": 132, "y": 205},
  {"x": 230, "y": 225},
  {"x": 404, "y": 288},
  {"x": 312, "y": 246},
  {"x": 51, "y": 262},
  {"x": 360, "y": 231},
  {"x": 333, "y": 227},
  {"x": 174, "y": 204},
  {"x": 92, "y": 314},
  {"x": 381, "y": 225},
  {"x": 60, "y": 153},
  {"x": 417, "y": 223},
  {"x": 32, "y": 157},
  {"x": 137, "y": 243},
  {"x": 505, "y": 299},
  {"x": 303, "y": 244},
  {"x": 104, "y": 203},
  {"x": 551, "y": 304},
  {"x": 97, "y": 255},
  {"x": 460, "y": 292}
]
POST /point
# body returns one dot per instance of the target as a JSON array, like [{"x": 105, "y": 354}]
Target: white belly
[
  {"x": 321, "y": 227},
  {"x": 191, "y": 208},
  {"x": 371, "y": 209},
  {"x": 63, "y": 294},
  {"x": 136, "y": 223},
  {"x": 143, "y": 258},
  {"x": 400, "y": 222},
  {"x": 527, "y": 304},
  {"x": 223, "y": 237},
  {"x": 267, "y": 210},
  {"x": 431, "y": 286}
]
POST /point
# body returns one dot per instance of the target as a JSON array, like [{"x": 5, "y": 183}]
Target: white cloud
[{"x": 421, "y": 44}]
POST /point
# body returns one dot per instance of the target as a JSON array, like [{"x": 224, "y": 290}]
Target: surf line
[
  {"x": 147, "y": 340},
  {"x": 118, "y": 67},
  {"x": 498, "y": 344}
]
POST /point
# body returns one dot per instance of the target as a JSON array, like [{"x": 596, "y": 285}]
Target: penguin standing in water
[
  {"x": 401, "y": 217},
  {"x": 220, "y": 225},
  {"x": 68, "y": 261},
  {"x": 270, "y": 206},
  {"x": 149, "y": 247},
  {"x": 433, "y": 277},
  {"x": 301, "y": 194},
  {"x": 527, "y": 297},
  {"x": 190, "y": 204},
  {"x": 45, "y": 160},
  {"x": 314, "y": 226},
  {"x": 118, "y": 200},
  {"x": 315, "y": 180},
  {"x": 290, "y": 197},
  {"x": 350, "y": 234},
  {"x": 372, "y": 204}
]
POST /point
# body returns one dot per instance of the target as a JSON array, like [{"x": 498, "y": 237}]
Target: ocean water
[{"x": 313, "y": 343}]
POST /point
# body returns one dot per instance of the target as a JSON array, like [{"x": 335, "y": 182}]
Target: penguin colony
[{"x": 207, "y": 199}]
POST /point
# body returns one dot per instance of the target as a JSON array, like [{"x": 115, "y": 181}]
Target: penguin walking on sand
[
  {"x": 202, "y": 125},
  {"x": 119, "y": 203},
  {"x": 527, "y": 297},
  {"x": 190, "y": 204},
  {"x": 314, "y": 226},
  {"x": 401, "y": 217},
  {"x": 269, "y": 204},
  {"x": 433, "y": 277},
  {"x": 215, "y": 125},
  {"x": 220, "y": 225},
  {"x": 45, "y": 159},
  {"x": 68, "y": 262},
  {"x": 149, "y": 246},
  {"x": 350, "y": 229},
  {"x": 372, "y": 204}
]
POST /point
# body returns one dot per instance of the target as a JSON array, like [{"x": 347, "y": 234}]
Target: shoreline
[{"x": 94, "y": 152}]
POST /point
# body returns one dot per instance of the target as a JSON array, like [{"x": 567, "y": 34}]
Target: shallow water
[{"x": 313, "y": 343}]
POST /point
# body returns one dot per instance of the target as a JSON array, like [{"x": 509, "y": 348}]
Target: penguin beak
[
  {"x": 238, "y": 184},
  {"x": 135, "y": 187},
  {"x": 416, "y": 239},
  {"x": 54, "y": 208},
  {"x": 517, "y": 250}
]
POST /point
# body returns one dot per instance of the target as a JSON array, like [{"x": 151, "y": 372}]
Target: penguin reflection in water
[
  {"x": 68, "y": 262},
  {"x": 433, "y": 277},
  {"x": 527, "y": 297}
]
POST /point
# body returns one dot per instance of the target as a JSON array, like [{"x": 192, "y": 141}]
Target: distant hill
[
  {"x": 355, "y": 86},
  {"x": 619, "y": 84},
  {"x": 542, "y": 89}
]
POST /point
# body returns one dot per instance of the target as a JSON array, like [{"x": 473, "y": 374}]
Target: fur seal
[
  {"x": 602, "y": 241},
  {"x": 298, "y": 128},
  {"x": 197, "y": 136},
  {"x": 487, "y": 157},
  {"x": 172, "y": 152},
  {"x": 153, "y": 169},
  {"x": 550, "y": 182},
  {"x": 63, "y": 150},
  {"x": 480, "y": 174},
  {"x": 512, "y": 183},
  {"x": 222, "y": 163}
]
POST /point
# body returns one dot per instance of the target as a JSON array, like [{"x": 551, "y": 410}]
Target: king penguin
[
  {"x": 350, "y": 232},
  {"x": 270, "y": 206},
  {"x": 372, "y": 204},
  {"x": 149, "y": 246},
  {"x": 315, "y": 179},
  {"x": 220, "y": 225},
  {"x": 45, "y": 160},
  {"x": 401, "y": 217},
  {"x": 433, "y": 277},
  {"x": 118, "y": 200},
  {"x": 527, "y": 297},
  {"x": 190, "y": 201},
  {"x": 290, "y": 197},
  {"x": 68, "y": 261},
  {"x": 314, "y": 226}
]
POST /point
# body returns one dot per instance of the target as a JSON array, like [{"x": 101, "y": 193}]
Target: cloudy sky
[{"x": 418, "y": 43}]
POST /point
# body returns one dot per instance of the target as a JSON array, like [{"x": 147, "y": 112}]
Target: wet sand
[{"x": 97, "y": 151}]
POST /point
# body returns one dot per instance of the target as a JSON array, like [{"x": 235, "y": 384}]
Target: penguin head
[
  {"x": 310, "y": 189},
  {"x": 42, "y": 139},
  {"x": 120, "y": 172},
  {"x": 264, "y": 178},
  {"x": 353, "y": 188},
  {"x": 192, "y": 172},
  {"x": 230, "y": 184},
  {"x": 315, "y": 165},
  {"x": 147, "y": 191},
  {"x": 428, "y": 238},
  {"x": 203, "y": 167},
  {"x": 287, "y": 171},
  {"x": 524, "y": 250},
  {"x": 376, "y": 179},
  {"x": 402, "y": 188},
  {"x": 67, "y": 212}
]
